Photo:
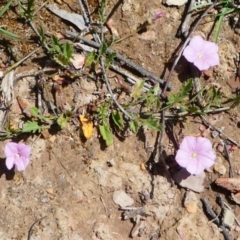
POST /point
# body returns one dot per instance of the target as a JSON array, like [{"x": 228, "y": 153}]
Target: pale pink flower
[
  {"x": 203, "y": 54},
  {"x": 157, "y": 16},
  {"x": 195, "y": 154},
  {"x": 18, "y": 154}
]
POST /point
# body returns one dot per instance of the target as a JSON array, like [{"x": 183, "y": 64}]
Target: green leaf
[
  {"x": 10, "y": 35},
  {"x": 34, "y": 111},
  {"x": 117, "y": 118},
  {"x": 106, "y": 134},
  {"x": 30, "y": 126},
  {"x": 183, "y": 93},
  {"x": 5, "y": 8},
  {"x": 134, "y": 126},
  {"x": 152, "y": 124},
  {"x": 90, "y": 59},
  {"x": 109, "y": 59},
  {"x": 62, "y": 121},
  {"x": 138, "y": 87},
  {"x": 103, "y": 49}
]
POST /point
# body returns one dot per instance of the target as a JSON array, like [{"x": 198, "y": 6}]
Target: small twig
[
  {"x": 37, "y": 33},
  {"x": 110, "y": 90},
  {"x": 31, "y": 228},
  {"x": 130, "y": 77},
  {"x": 214, "y": 216},
  {"x": 84, "y": 13},
  {"x": 219, "y": 131},
  {"x": 227, "y": 155},
  {"x": 136, "y": 67},
  {"x": 103, "y": 202},
  {"x": 19, "y": 62},
  {"x": 87, "y": 17},
  {"x": 186, "y": 23},
  {"x": 183, "y": 47},
  {"x": 226, "y": 205}
]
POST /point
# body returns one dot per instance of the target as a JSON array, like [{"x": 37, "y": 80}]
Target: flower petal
[
  {"x": 11, "y": 149},
  {"x": 21, "y": 163},
  {"x": 203, "y": 144},
  {"x": 190, "y": 54},
  {"x": 10, "y": 162},
  {"x": 205, "y": 161},
  {"x": 188, "y": 144},
  {"x": 183, "y": 158},
  {"x": 197, "y": 43},
  {"x": 24, "y": 150},
  {"x": 210, "y": 48},
  {"x": 212, "y": 60},
  {"x": 201, "y": 64},
  {"x": 195, "y": 167}
]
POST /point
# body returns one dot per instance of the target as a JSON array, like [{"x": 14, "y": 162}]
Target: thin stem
[{"x": 110, "y": 90}]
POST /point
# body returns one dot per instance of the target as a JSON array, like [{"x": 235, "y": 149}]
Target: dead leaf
[
  {"x": 74, "y": 18},
  {"x": 78, "y": 60},
  {"x": 87, "y": 126},
  {"x": 25, "y": 106},
  {"x": 231, "y": 184},
  {"x": 110, "y": 24}
]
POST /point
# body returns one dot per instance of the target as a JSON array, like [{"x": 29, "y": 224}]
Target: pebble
[
  {"x": 122, "y": 199},
  {"x": 190, "y": 202},
  {"x": 176, "y": 2},
  {"x": 192, "y": 182},
  {"x": 219, "y": 168}
]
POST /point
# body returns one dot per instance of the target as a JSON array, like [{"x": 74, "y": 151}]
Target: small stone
[
  {"x": 50, "y": 191},
  {"x": 122, "y": 199},
  {"x": 192, "y": 182},
  {"x": 228, "y": 218},
  {"x": 219, "y": 168},
  {"x": 236, "y": 197},
  {"x": 176, "y": 2},
  {"x": 190, "y": 202},
  {"x": 231, "y": 184}
]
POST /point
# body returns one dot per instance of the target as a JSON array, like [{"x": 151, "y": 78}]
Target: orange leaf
[{"x": 87, "y": 126}]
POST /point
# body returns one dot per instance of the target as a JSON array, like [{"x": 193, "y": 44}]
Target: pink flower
[
  {"x": 203, "y": 54},
  {"x": 195, "y": 154},
  {"x": 18, "y": 154},
  {"x": 157, "y": 16}
]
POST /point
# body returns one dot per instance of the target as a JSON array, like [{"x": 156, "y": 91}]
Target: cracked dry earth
[{"x": 77, "y": 185}]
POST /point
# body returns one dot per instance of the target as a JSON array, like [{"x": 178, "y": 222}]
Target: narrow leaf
[{"x": 106, "y": 134}]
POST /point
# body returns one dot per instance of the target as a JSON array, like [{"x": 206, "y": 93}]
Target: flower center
[
  {"x": 194, "y": 155},
  {"x": 17, "y": 155},
  {"x": 200, "y": 55}
]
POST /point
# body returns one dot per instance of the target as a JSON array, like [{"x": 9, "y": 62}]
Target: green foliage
[
  {"x": 134, "y": 126},
  {"x": 90, "y": 59},
  {"x": 106, "y": 134},
  {"x": 104, "y": 127},
  {"x": 101, "y": 12},
  {"x": 117, "y": 118},
  {"x": 182, "y": 95},
  {"x": 152, "y": 123},
  {"x": 28, "y": 11},
  {"x": 109, "y": 59},
  {"x": 213, "y": 97},
  {"x": 31, "y": 127},
  {"x": 63, "y": 119},
  {"x": 5, "y": 32},
  {"x": 61, "y": 52}
]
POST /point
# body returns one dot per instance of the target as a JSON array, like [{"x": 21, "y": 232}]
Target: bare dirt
[{"x": 73, "y": 182}]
